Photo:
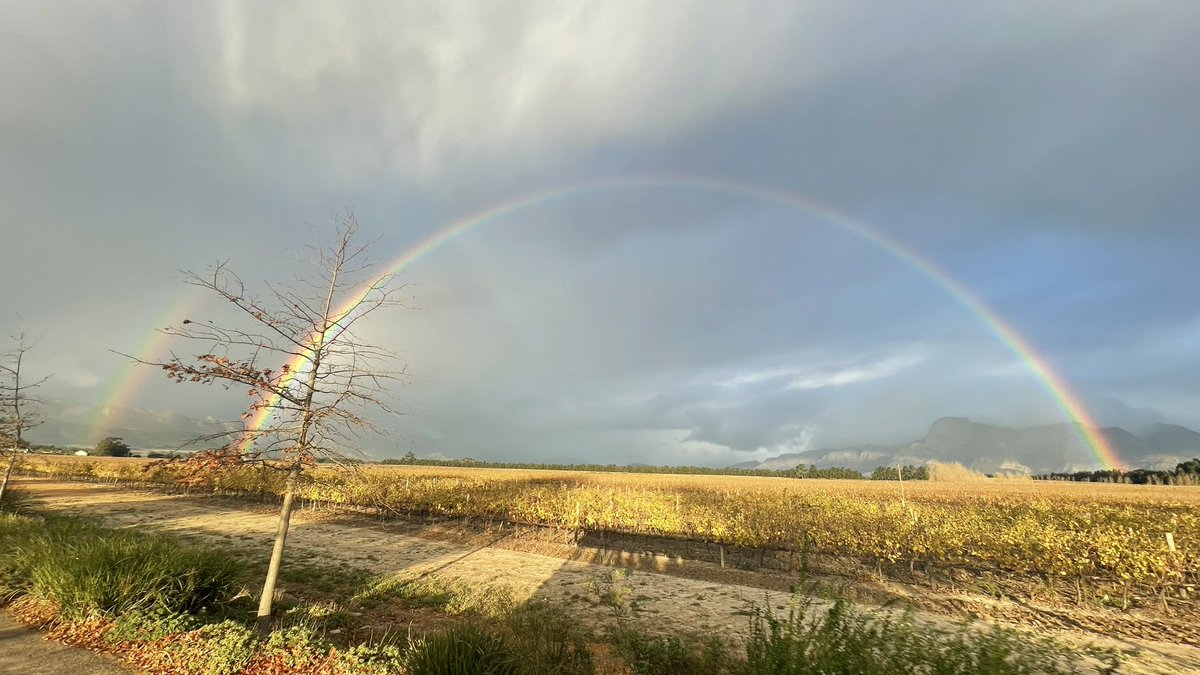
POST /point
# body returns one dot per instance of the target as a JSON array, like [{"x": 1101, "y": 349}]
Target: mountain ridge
[
  {"x": 990, "y": 448},
  {"x": 983, "y": 447}
]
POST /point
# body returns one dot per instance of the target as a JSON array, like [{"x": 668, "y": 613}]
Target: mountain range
[
  {"x": 982, "y": 447},
  {"x": 990, "y": 448}
]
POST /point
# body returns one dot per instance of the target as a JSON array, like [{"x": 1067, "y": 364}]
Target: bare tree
[
  {"x": 311, "y": 379},
  {"x": 17, "y": 403}
]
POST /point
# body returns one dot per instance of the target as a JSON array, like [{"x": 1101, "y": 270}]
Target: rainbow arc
[{"x": 1054, "y": 384}]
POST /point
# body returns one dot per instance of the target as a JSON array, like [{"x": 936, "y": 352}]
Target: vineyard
[{"x": 1109, "y": 541}]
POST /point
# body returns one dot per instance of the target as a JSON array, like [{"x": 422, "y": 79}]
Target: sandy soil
[{"x": 692, "y": 597}]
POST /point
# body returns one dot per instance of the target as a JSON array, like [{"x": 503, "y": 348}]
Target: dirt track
[
  {"x": 24, "y": 651},
  {"x": 664, "y": 601}
]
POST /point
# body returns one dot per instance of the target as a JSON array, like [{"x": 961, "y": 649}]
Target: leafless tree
[
  {"x": 311, "y": 378},
  {"x": 17, "y": 403}
]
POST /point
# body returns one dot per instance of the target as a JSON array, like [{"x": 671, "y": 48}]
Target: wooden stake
[{"x": 1171, "y": 542}]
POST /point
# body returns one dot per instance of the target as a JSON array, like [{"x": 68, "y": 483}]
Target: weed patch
[
  {"x": 85, "y": 569},
  {"x": 840, "y": 639}
]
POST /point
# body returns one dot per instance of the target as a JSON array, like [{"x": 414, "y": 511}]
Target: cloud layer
[{"x": 1042, "y": 155}]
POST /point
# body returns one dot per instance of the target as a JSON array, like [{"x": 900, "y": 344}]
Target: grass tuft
[
  {"x": 429, "y": 590},
  {"x": 85, "y": 569},
  {"x": 14, "y": 501},
  {"x": 468, "y": 649},
  {"x": 843, "y": 640}
]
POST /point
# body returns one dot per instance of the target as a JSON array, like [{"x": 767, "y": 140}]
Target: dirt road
[
  {"x": 25, "y": 652},
  {"x": 664, "y": 601}
]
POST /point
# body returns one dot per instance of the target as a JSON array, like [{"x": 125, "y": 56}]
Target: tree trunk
[
  {"x": 263, "y": 622},
  {"x": 12, "y": 459}
]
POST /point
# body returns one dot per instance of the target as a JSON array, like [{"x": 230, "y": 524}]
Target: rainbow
[
  {"x": 126, "y": 384},
  {"x": 1053, "y": 383}
]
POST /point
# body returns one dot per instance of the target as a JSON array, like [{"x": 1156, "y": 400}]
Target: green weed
[
  {"x": 682, "y": 654},
  {"x": 14, "y": 500},
  {"x": 464, "y": 650},
  {"x": 85, "y": 569},
  {"x": 549, "y": 641},
  {"x": 843, "y": 640},
  {"x": 428, "y": 590}
]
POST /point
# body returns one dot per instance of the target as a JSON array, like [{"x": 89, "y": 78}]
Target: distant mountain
[
  {"x": 847, "y": 457},
  {"x": 78, "y": 425},
  {"x": 990, "y": 448},
  {"x": 748, "y": 465}
]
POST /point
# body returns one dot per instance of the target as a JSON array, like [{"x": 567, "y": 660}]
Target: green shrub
[
  {"x": 549, "y": 641},
  {"x": 296, "y": 648},
  {"x": 216, "y": 649},
  {"x": 85, "y": 569},
  {"x": 842, "y": 640},
  {"x": 384, "y": 659},
  {"x": 465, "y": 650},
  {"x": 14, "y": 500},
  {"x": 682, "y": 654},
  {"x": 150, "y": 626}
]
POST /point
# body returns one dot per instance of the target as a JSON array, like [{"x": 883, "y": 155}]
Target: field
[
  {"x": 1080, "y": 563},
  {"x": 497, "y": 566},
  {"x": 1104, "y": 544}
]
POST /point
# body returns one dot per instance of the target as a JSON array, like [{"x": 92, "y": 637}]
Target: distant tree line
[
  {"x": 800, "y": 471},
  {"x": 839, "y": 472},
  {"x": 1184, "y": 473},
  {"x": 112, "y": 446},
  {"x": 906, "y": 472}
]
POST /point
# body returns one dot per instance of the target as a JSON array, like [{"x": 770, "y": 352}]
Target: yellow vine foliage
[{"x": 1106, "y": 533}]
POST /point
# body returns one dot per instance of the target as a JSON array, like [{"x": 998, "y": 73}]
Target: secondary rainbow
[
  {"x": 126, "y": 384},
  {"x": 1054, "y": 384}
]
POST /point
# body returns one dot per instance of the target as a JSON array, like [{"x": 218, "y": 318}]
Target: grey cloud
[{"x": 1041, "y": 155}]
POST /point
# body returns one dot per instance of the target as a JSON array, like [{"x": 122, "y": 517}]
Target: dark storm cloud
[{"x": 1042, "y": 155}]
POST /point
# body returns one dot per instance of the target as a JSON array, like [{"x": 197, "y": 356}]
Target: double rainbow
[{"x": 1053, "y": 383}]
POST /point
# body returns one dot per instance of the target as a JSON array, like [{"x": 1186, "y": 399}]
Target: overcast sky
[{"x": 1044, "y": 155}]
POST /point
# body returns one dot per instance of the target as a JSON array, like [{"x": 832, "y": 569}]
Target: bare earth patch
[
  {"x": 667, "y": 594},
  {"x": 24, "y": 651}
]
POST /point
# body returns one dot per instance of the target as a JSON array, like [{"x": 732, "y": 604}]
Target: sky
[{"x": 1044, "y": 156}]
